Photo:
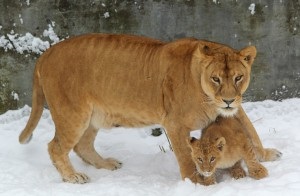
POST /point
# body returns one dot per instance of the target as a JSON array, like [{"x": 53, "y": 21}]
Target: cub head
[
  {"x": 223, "y": 74},
  {"x": 206, "y": 154}
]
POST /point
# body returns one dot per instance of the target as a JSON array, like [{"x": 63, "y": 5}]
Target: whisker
[{"x": 208, "y": 101}]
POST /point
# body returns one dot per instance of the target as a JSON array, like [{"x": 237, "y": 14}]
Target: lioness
[
  {"x": 223, "y": 144},
  {"x": 102, "y": 81}
]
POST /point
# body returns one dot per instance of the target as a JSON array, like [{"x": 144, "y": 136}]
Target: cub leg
[
  {"x": 86, "y": 150},
  {"x": 237, "y": 171},
  {"x": 182, "y": 152},
  {"x": 255, "y": 168},
  {"x": 267, "y": 154}
]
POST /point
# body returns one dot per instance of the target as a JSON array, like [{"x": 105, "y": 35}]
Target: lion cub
[{"x": 224, "y": 144}]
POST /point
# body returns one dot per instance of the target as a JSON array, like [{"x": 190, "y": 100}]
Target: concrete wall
[{"x": 272, "y": 26}]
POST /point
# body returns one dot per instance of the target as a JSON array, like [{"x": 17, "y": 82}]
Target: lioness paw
[
  {"x": 114, "y": 163},
  {"x": 271, "y": 154},
  {"x": 109, "y": 163},
  {"x": 76, "y": 178}
]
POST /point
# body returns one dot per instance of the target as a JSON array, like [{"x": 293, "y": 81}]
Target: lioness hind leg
[
  {"x": 237, "y": 171},
  {"x": 59, "y": 149},
  {"x": 262, "y": 154},
  {"x": 86, "y": 150}
]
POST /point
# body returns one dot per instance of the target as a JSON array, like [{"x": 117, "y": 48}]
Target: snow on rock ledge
[{"x": 28, "y": 43}]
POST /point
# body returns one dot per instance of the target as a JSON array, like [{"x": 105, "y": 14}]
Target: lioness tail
[{"x": 38, "y": 100}]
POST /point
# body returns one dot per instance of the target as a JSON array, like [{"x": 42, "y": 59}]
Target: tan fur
[
  {"x": 224, "y": 144},
  {"x": 102, "y": 81}
]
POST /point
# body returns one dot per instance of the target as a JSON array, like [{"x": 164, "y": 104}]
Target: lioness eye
[
  {"x": 238, "y": 78},
  {"x": 212, "y": 159},
  {"x": 216, "y": 79}
]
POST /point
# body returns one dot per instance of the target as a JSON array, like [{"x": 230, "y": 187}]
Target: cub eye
[
  {"x": 239, "y": 78},
  {"x": 216, "y": 79},
  {"x": 200, "y": 160},
  {"x": 212, "y": 159}
]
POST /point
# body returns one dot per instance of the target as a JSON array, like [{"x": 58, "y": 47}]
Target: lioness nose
[{"x": 228, "y": 102}]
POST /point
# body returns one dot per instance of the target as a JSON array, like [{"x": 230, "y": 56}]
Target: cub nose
[{"x": 228, "y": 102}]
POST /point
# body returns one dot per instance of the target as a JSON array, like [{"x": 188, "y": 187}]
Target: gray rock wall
[{"x": 272, "y": 26}]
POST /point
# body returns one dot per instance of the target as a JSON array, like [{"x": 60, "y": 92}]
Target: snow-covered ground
[{"x": 27, "y": 170}]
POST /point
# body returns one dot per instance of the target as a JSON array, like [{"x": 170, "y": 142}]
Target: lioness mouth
[{"x": 228, "y": 108}]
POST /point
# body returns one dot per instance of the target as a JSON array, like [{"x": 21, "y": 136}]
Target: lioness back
[{"x": 109, "y": 71}]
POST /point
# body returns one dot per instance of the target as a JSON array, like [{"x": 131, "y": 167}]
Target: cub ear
[
  {"x": 220, "y": 143},
  {"x": 248, "y": 54},
  {"x": 203, "y": 54},
  {"x": 191, "y": 140}
]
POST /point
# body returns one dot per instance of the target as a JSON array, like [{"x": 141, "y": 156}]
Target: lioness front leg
[
  {"x": 182, "y": 152},
  {"x": 263, "y": 154}
]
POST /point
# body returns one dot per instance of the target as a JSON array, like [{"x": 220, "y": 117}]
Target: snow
[
  {"x": 15, "y": 95},
  {"x": 5, "y": 44},
  {"x": 21, "y": 19},
  {"x": 106, "y": 15},
  {"x": 252, "y": 8},
  {"x": 51, "y": 34},
  {"x": 27, "y": 170},
  {"x": 216, "y": 2},
  {"x": 28, "y": 43}
]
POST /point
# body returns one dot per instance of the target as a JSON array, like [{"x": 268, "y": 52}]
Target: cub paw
[
  {"x": 271, "y": 154},
  {"x": 206, "y": 181},
  {"x": 76, "y": 178},
  {"x": 258, "y": 172},
  {"x": 237, "y": 173}
]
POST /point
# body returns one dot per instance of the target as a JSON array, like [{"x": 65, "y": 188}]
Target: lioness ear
[
  {"x": 202, "y": 54},
  {"x": 220, "y": 143},
  {"x": 248, "y": 54}
]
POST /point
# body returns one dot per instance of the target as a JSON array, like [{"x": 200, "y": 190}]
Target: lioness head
[
  {"x": 224, "y": 74},
  {"x": 206, "y": 154}
]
